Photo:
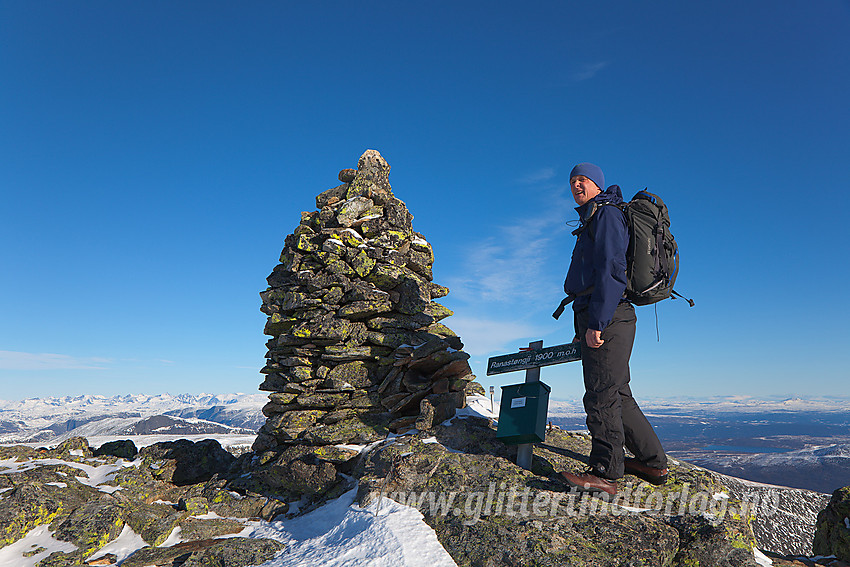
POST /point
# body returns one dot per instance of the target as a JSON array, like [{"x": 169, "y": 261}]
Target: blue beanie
[{"x": 592, "y": 172}]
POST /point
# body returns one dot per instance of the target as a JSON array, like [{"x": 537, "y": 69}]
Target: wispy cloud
[
  {"x": 589, "y": 70},
  {"x": 515, "y": 264},
  {"x": 541, "y": 175},
  {"x": 484, "y": 336},
  {"x": 11, "y": 360}
]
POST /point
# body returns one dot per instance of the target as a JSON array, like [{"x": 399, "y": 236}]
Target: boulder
[
  {"x": 184, "y": 462},
  {"x": 832, "y": 535}
]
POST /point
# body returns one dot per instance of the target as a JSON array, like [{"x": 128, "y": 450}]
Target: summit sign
[{"x": 536, "y": 358}]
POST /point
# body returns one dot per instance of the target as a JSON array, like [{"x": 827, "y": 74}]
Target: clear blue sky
[{"x": 154, "y": 155}]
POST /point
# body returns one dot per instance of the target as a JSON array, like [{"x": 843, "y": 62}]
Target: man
[{"x": 605, "y": 325}]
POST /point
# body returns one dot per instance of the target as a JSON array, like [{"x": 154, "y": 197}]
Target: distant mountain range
[
  {"x": 788, "y": 442},
  {"x": 52, "y": 420}
]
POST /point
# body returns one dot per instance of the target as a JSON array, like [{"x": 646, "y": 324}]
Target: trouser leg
[
  {"x": 640, "y": 437},
  {"x": 613, "y": 417}
]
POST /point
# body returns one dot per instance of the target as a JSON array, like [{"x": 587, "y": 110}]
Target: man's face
[{"x": 583, "y": 189}]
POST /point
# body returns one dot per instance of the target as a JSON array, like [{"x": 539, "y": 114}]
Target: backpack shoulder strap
[{"x": 585, "y": 224}]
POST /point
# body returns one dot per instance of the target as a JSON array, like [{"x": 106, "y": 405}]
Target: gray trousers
[{"x": 613, "y": 416}]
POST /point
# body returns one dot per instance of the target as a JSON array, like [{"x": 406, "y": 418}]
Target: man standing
[{"x": 605, "y": 325}]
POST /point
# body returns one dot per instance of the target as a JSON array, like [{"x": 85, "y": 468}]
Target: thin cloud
[
  {"x": 484, "y": 336},
  {"x": 514, "y": 265},
  {"x": 11, "y": 360},
  {"x": 540, "y": 176},
  {"x": 588, "y": 71}
]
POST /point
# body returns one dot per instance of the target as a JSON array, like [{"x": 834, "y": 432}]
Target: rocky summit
[{"x": 370, "y": 394}]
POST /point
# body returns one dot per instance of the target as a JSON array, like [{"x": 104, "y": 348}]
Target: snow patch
[
  {"x": 59, "y": 484},
  {"x": 208, "y": 516},
  {"x": 173, "y": 538},
  {"x": 847, "y": 523},
  {"x": 122, "y": 547},
  {"x": 38, "y": 538},
  {"x": 433, "y": 440},
  {"x": 761, "y": 558},
  {"x": 342, "y": 534},
  {"x": 476, "y": 406}
]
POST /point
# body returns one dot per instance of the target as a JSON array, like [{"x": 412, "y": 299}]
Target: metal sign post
[{"x": 531, "y": 360}]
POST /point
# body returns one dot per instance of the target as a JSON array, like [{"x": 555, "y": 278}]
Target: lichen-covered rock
[
  {"x": 92, "y": 525},
  {"x": 184, "y": 462},
  {"x": 32, "y": 504},
  {"x": 74, "y": 447},
  {"x": 230, "y": 552},
  {"x": 832, "y": 536},
  {"x": 300, "y": 471},
  {"x": 488, "y": 511},
  {"x": 124, "y": 449}
]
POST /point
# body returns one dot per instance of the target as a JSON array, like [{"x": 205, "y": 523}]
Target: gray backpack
[{"x": 652, "y": 258}]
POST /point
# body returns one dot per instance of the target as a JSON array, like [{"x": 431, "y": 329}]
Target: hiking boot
[
  {"x": 590, "y": 482},
  {"x": 647, "y": 473}
]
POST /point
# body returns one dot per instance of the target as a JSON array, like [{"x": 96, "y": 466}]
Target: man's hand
[{"x": 593, "y": 338}]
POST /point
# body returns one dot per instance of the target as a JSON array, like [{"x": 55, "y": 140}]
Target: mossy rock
[
  {"x": 92, "y": 525},
  {"x": 194, "y": 528},
  {"x": 356, "y": 373},
  {"x": 365, "y": 309},
  {"x": 386, "y": 276},
  {"x": 437, "y": 311},
  {"x": 832, "y": 535},
  {"x": 74, "y": 448},
  {"x": 362, "y": 264},
  {"x": 278, "y": 324},
  {"x": 229, "y": 552},
  {"x": 30, "y": 505},
  {"x": 364, "y": 428}
]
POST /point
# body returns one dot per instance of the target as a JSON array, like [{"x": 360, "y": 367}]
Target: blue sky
[{"x": 156, "y": 154}]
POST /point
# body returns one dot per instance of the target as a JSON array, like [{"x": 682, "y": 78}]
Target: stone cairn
[{"x": 357, "y": 350}]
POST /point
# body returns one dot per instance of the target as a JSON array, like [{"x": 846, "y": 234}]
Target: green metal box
[{"x": 522, "y": 413}]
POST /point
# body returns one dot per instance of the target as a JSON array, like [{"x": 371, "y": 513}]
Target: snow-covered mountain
[{"x": 51, "y": 420}]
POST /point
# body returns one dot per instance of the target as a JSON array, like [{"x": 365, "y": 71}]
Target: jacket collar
[{"x": 611, "y": 195}]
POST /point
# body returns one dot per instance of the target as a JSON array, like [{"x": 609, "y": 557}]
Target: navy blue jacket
[{"x": 599, "y": 259}]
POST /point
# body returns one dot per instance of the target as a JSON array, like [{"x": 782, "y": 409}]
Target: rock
[
  {"x": 29, "y": 505},
  {"x": 331, "y": 196},
  {"x": 355, "y": 373},
  {"x": 125, "y": 449},
  {"x": 300, "y": 471},
  {"x": 231, "y": 552},
  {"x": 353, "y": 209},
  {"x": 372, "y": 170},
  {"x": 832, "y": 536},
  {"x": 195, "y": 529},
  {"x": 74, "y": 447},
  {"x": 503, "y": 514},
  {"x": 783, "y": 518},
  {"x": 184, "y": 462}
]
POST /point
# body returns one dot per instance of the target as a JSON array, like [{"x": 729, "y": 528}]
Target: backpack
[{"x": 652, "y": 257}]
